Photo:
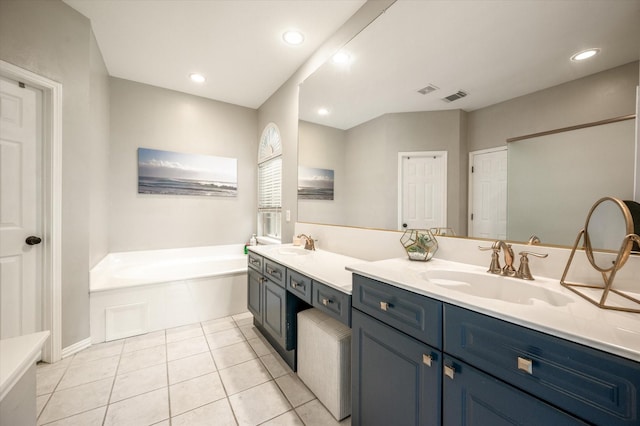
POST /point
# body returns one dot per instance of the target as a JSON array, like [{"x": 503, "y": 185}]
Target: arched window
[{"x": 270, "y": 183}]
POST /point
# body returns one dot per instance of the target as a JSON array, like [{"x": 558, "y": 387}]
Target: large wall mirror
[{"x": 462, "y": 77}]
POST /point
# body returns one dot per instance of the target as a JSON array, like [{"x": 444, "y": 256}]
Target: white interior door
[
  {"x": 488, "y": 196},
  {"x": 423, "y": 190},
  {"x": 20, "y": 207}
]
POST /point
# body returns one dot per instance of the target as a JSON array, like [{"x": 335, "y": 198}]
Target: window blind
[{"x": 270, "y": 185}]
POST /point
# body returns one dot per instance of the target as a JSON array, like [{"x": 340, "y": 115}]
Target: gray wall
[
  {"x": 150, "y": 117},
  {"x": 99, "y": 156},
  {"x": 586, "y": 165},
  {"x": 324, "y": 148},
  {"x": 53, "y": 40},
  {"x": 607, "y": 94},
  {"x": 428, "y": 131},
  {"x": 367, "y": 158}
]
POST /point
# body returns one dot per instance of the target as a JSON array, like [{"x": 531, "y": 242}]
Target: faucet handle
[
  {"x": 533, "y": 240},
  {"x": 494, "y": 267},
  {"x": 523, "y": 271},
  {"x": 541, "y": 255}
]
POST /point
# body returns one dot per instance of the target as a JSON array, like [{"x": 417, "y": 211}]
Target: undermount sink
[
  {"x": 496, "y": 287},
  {"x": 293, "y": 251}
]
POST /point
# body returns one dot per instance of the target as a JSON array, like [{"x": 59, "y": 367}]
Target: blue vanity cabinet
[
  {"x": 300, "y": 285},
  {"x": 332, "y": 302},
  {"x": 275, "y": 272},
  {"x": 396, "y": 363},
  {"x": 275, "y": 318},
  {"x": 418, "y": 316},
  {"x": 473, "y": 398},
  {"x": 255, "y": 262},
  {"x": 274, "y": 309},
  {"x": 488, "y": 372},
  {"x": 396, "y": 379},
  {"x": 599, "y": 387},
  {"x": 255, "y": 294}
]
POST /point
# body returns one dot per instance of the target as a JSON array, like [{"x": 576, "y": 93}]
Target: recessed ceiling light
[
  {"x": 197, "y": 78},
  {"x": 341, "y": 58},
  {"x": 293, "y": 38},
  {"x": 323, "y": 111},
  {"x": 585, "y": 54}
]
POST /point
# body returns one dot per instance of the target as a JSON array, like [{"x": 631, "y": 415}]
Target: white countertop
[
  {"x": 17, "y": 355},
  {"x": 323, "y": 266},
  {"x": 572, "y": 317}
]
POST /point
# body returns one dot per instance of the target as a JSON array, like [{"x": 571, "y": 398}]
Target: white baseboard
[{"x": 76, "y": 347}]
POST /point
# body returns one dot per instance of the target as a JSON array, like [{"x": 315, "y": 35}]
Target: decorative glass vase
[{"x": 420, "y": 244}]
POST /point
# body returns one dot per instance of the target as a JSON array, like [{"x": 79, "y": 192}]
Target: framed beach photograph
[
  {"x": 315, "y": 184},
  {"x": 174, "y": 173}
]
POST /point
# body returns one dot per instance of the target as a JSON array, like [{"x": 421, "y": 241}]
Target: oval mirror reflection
[{"x": 608, "y": 222}]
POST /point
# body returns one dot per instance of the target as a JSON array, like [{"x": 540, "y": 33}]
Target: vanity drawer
[
  {"x": 332, "y": 302},
  {"x": 414, "y": 314},
  {"x": 275, "y": 272},
  {"x": 600, "y": 388},
  {"x": 299, "y": 285},
  {"x": 255, "y": 261}
]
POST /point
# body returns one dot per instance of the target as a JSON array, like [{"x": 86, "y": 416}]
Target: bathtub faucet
[{"x": 309, "y": 244}]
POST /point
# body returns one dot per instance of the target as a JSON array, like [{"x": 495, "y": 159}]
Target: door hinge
[
  {"x": 472, "y": 169},
  {"x": 471, "y": 216}
]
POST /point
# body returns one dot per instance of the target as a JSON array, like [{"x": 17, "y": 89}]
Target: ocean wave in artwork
[{"x": 177, "y": 186}]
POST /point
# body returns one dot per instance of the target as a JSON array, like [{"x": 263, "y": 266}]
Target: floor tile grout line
[
  {"x": 224, "y": 388},
  {"x": 113, "y": 384},
  {"x": 204, "y": 405},
  {"x": 76, "y": 414},
  {"x": 168, "y": 378}
]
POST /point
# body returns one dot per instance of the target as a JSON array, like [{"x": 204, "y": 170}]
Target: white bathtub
[{"x": 137, "y": 292}]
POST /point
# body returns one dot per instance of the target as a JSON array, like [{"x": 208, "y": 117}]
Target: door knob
[{"x": 33, "y": 240}]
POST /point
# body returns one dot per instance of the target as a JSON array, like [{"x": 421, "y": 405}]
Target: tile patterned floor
[{"x": 220, "y": 372}]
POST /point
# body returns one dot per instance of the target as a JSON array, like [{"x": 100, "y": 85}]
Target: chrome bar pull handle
[
  {"x": 326, "y": 301},
  {"x": 525, "y": 365},
  {"x": 449, "y": 371},
  {"x": 384, "y": 306}
]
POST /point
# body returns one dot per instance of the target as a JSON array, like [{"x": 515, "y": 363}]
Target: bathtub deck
[{"x": 139, "y": 292}]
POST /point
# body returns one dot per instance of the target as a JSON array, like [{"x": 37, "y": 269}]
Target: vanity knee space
[
  {"x": 277, "y": 293},
  {"x": 324, "y": 360}
]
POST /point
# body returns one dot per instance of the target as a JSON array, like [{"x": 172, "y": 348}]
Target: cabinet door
[
  {"x": 274, "y": 309},
  {"x": 255, "y": 294},
  {"x": 396, "y": 380},
  {"x": 471, "y": 397}
]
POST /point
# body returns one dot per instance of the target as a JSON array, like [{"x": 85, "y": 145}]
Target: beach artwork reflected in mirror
[
  {"x": 174, "y": 173},
  {"x": 315, "y": 184}
]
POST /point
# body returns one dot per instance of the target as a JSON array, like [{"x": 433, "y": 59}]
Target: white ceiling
[
  {"x": 236, "y": 44},
  {"x": 494, "y": 50}
]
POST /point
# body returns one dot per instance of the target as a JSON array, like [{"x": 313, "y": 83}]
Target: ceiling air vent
[
  {"x": 426, "y": 90},
  {"x": 459, "y": 94}
]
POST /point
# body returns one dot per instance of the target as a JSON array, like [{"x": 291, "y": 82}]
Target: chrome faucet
[
  {"x": 523, "y": 271},
  {"x": 309, "y": 244}
]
